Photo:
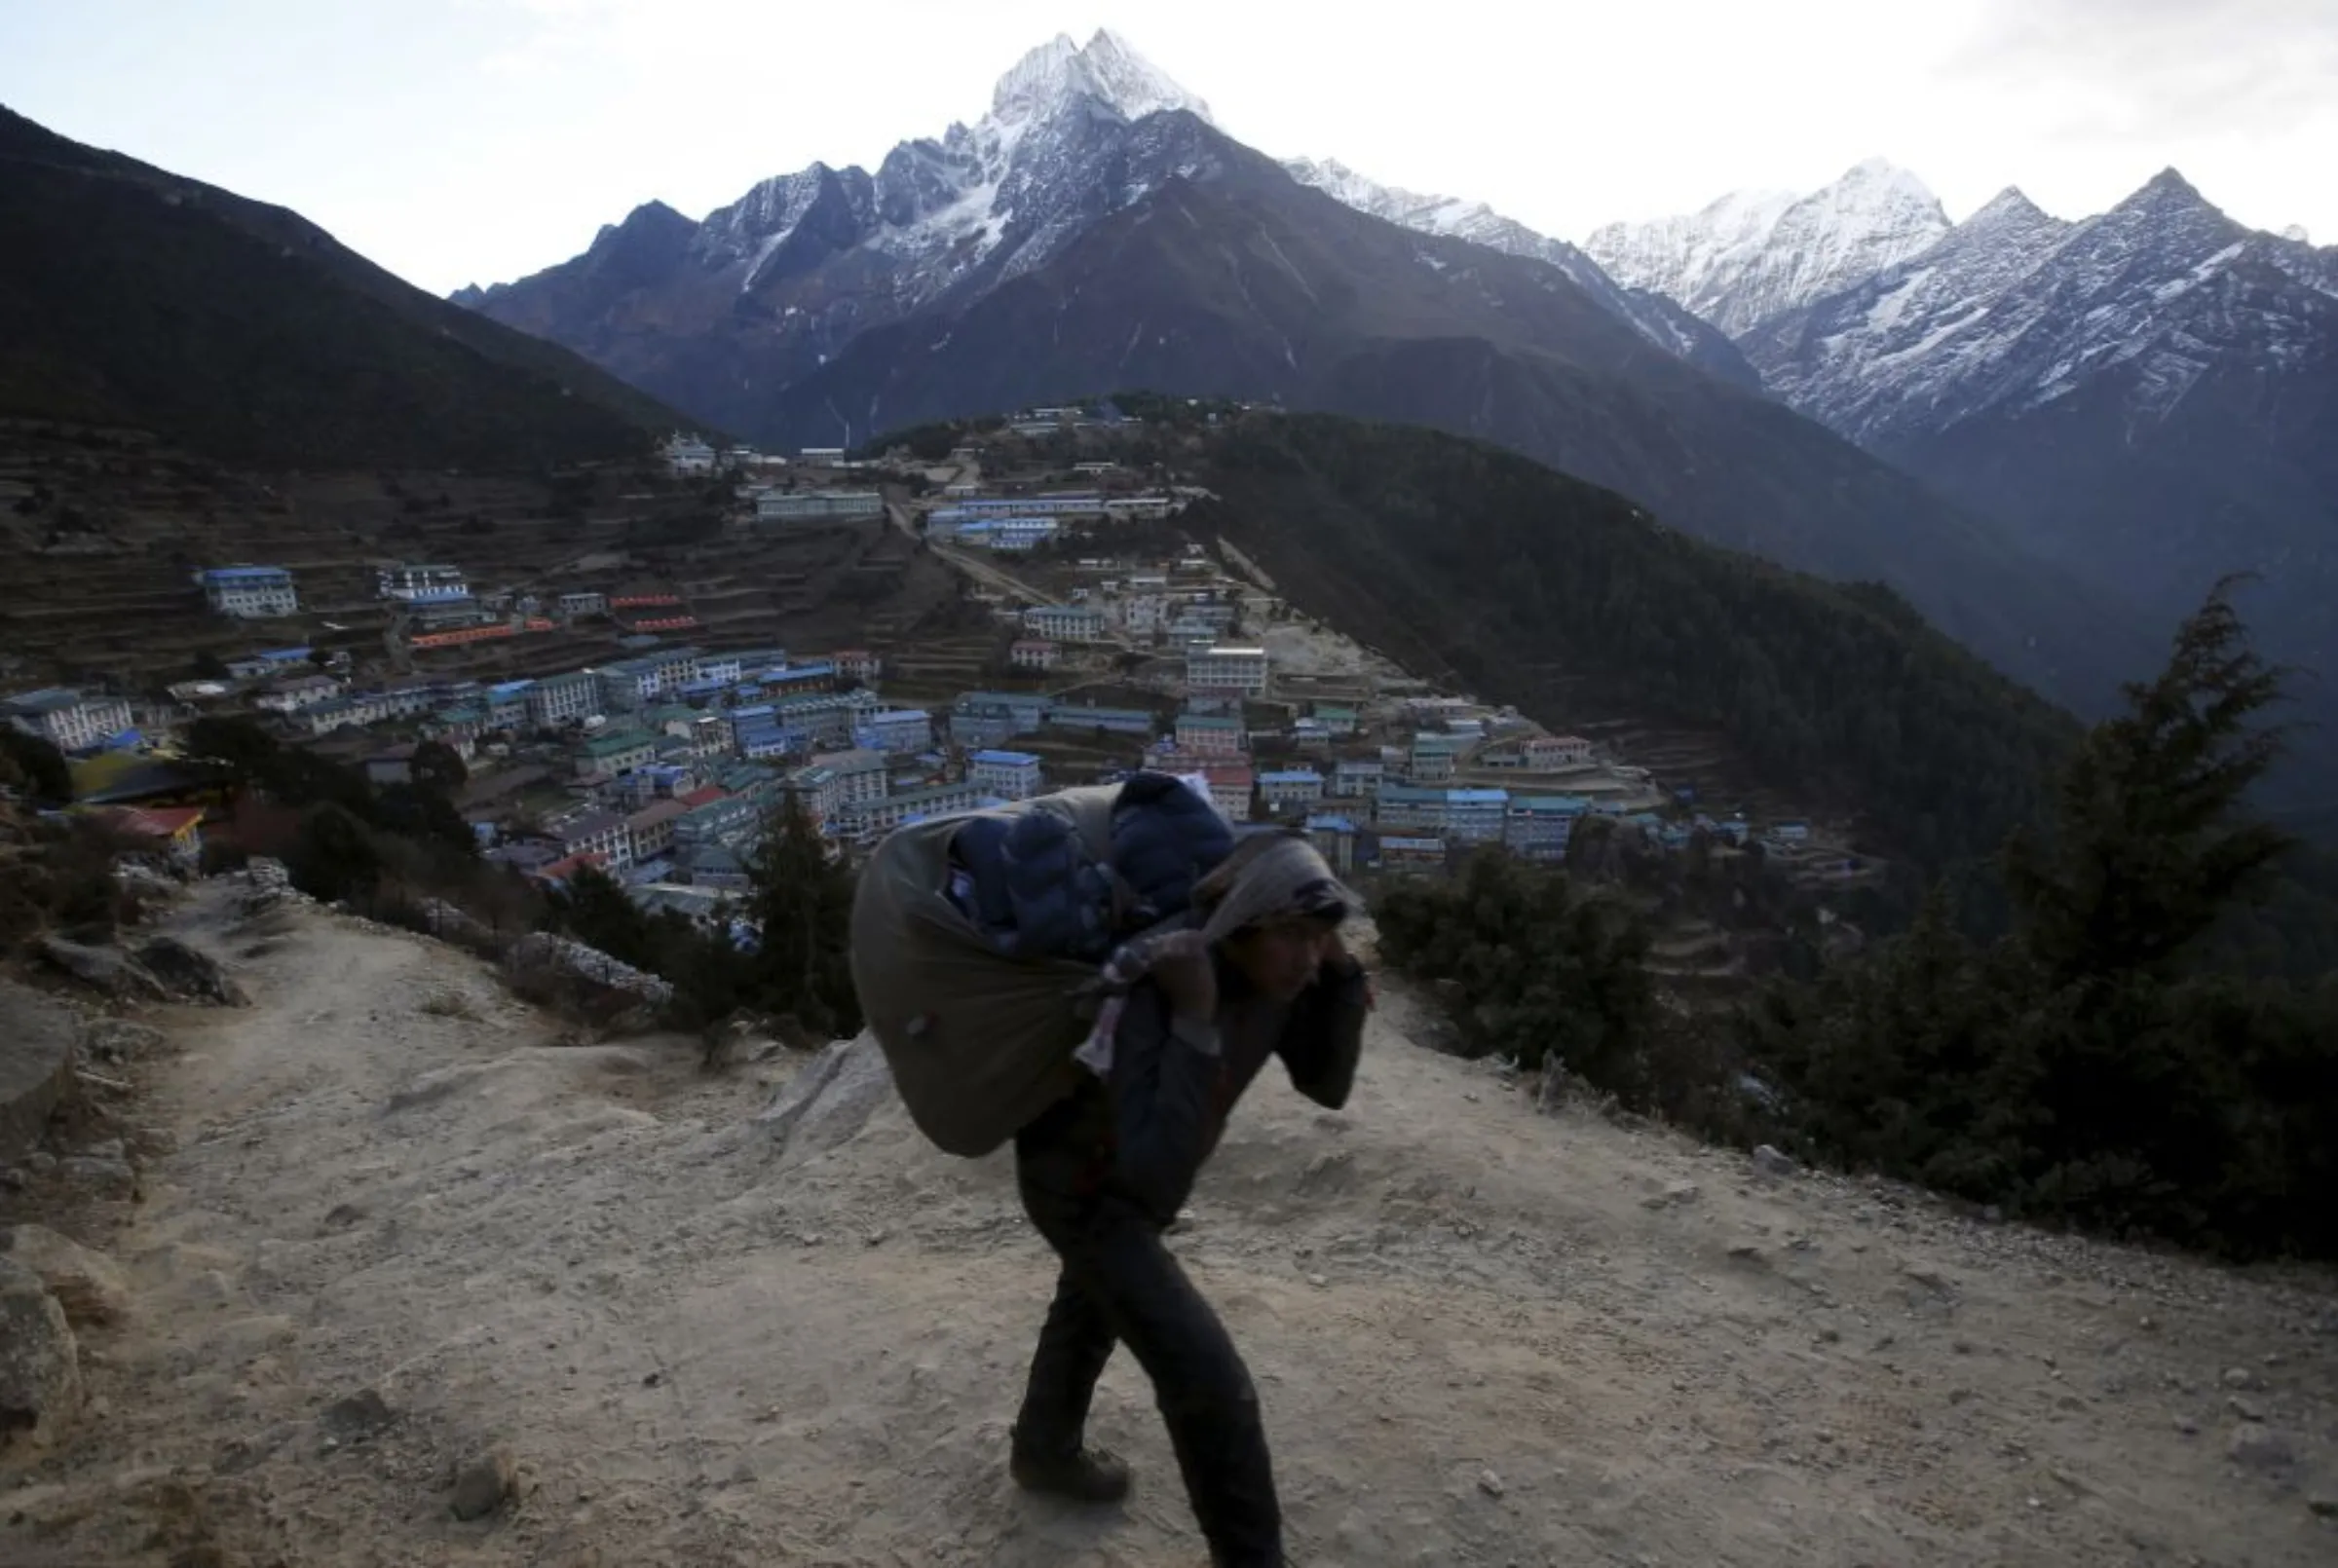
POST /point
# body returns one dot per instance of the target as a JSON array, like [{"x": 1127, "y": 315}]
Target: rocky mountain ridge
[
  {"x": 1654, "y": 316},
  {"x": 1750, "y": 256}
]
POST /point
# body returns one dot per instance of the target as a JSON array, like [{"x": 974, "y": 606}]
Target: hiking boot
[{"x": 1084, "y": 1474}]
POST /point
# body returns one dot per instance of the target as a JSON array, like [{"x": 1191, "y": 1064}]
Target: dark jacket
[{"x": 1145, "y": 1133}]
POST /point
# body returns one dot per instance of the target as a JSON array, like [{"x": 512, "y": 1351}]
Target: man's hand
[{"x": 1182, "y": 967}]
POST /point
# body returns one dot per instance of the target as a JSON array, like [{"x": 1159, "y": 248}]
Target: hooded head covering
[{"x": 1270, "y": 874}]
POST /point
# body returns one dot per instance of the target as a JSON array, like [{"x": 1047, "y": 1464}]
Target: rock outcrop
[
  {"x": 40, "y": 1368},
  {"x": 88, "y": 1285},
  {"x": 829, "y": 1099},
  {"x": 36, "y": 1063}
]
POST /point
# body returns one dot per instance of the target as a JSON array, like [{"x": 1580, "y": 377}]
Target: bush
[
  {"x": 2092, "y": 1066},
  {"x": 61, "y": 881},
  {"x": 1556, "y": 978},
  {"x": 29, "y": 762}
]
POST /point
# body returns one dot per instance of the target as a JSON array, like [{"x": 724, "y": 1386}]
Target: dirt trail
[{"x": 1483, "y": 1336}]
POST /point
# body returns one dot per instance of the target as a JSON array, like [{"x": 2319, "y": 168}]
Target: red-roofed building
[
  {"x": 706, "y": 795},
  {"x": 560, "y": 871},
  {"x": 1230, "y": 789},
  {"x": 1033, "y": 654},
  {"x": 176, "y": 828}
]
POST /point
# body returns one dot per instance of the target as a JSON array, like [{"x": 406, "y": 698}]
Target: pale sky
[{"x": 477, "y": 140}]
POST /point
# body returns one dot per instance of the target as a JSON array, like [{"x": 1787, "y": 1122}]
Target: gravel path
[{"x": 406, "y": 1233}]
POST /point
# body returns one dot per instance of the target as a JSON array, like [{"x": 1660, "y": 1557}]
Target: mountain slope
[
  {"x": 1239, "y": 282},
  {"x": 2150, "y": 396},
  {"x": 130, "y": 295},
  {"x": 720, "y": 317},
  {"x": 1652, "y": 315},
  {"x": 1568, "y": 600},
  {"x": 1747, "y": 257},
  {"x": 1094, "y": 231}
]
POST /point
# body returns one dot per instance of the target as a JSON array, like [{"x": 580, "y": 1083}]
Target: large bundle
[{"x": 971, "y": 966}]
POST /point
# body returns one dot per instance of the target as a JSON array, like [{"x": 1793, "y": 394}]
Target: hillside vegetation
[
  {"x": 1577, "y": 605},
  {"x": 132, "y": 296}
]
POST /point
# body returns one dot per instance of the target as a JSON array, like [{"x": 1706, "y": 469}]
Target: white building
[
  {"x": 251, "y": 593},
  {"x": 859, "y": 775},
  {"x": 1011, "y": 775},
  {"x": 423, "y": 585},
  {"x": 67, "y": 720},
  {"x": 1285, "y": 789},
  {"x": 894, "y": 809},
  {"x": 1066, "y": 623},
  {"x": 1546, "y": 752},
  {"x": 898, "y": 733},
  {"x": 1033, "y": 654},
  {"x": 1216, "y": 668},
  {"x": 805, "y": 505},
  {"x": 597, "y": 832},
  {"x": 558, "y": 699},
  {"x": 298, "y": 693},
  {"x": 687, "y": 454},
  {"x": 1016, "y": 534}
]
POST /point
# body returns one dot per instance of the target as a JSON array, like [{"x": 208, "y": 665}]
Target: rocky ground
[{"x": 406, "y": 1275}]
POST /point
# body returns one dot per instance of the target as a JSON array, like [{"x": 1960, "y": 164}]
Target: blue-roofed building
[
  {"x": 271, "y": 661},
  {"x": 896, "y": 732},
  {"x": 67, "y": 718},
  {"x": 1081, "y": 503},
  {"x": 1011, "y": 775},
  {"x": 507, "y": 704},
  {"x": 1334, "y": 838},
  {"x": 251, "y": 593},
  {"x": 1119, "y": 720},
  {"x": 1540, "y": 827},
  {"x": 979, "y": 719},
  {"x": 1291, "y": 789},
  {"x": 1476, "y": 816}
]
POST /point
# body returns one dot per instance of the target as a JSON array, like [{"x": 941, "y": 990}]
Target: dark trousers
[{"x": 1119, "y": 1285}]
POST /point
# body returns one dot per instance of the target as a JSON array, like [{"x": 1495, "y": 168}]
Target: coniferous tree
[
  {"x": 2148, "y": 851},
  {"x": 800, "y": 900}
]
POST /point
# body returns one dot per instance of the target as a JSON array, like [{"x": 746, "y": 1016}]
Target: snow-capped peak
[
  {"x": 1747, "y": 257},
  {"x": 1107, "y": 69},
  {"x": 2009, "y": 205}
]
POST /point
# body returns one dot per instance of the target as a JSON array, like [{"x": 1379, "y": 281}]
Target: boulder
[
  {"x": 451, "y": 924},
  {"x": 108, "y": 969},
  {"x": 190, "y": 972},
  {"x": 40, "y": 1368},
  {"x": 102, "y": 1175},
  {"x": 2254, "y": 1445},
  {"x": 36, "y": 1064},
  {"x": 358, "y": 1416},
  {"x": 90, "y": 1286},
  {"x": 543, "y": 951},
  {"x": 829, "y": 1099},
  {"x": 481, "y": 1486}
]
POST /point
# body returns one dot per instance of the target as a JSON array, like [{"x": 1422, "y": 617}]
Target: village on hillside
[{"x": 1093, "y": 638}]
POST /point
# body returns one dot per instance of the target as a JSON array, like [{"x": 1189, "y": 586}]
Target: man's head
[{"x": 1280, "y": 955}]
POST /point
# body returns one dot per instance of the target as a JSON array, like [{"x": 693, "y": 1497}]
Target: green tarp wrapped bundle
[{"x": 979, "y": 1043}]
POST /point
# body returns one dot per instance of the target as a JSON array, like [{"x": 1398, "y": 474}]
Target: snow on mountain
[
  {"x": 1107, "y": 70},
  {"x": 2014, "y": 310},
  {"x": 1654, "y": 315},
  {"x": 1752, "y": 255},
  {"x": 984, "y": 201}
]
